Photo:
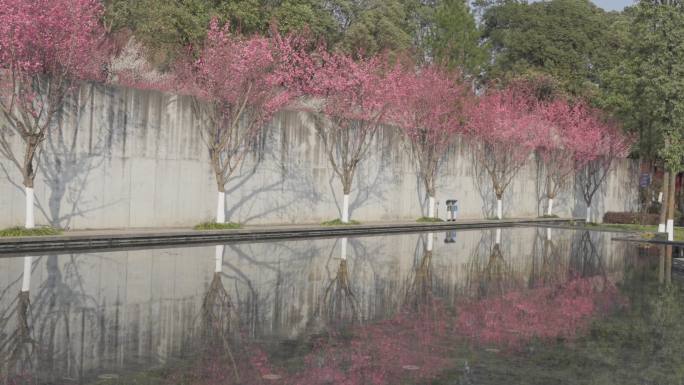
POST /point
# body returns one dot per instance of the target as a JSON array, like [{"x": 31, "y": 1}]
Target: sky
[{"x": 613, "y": 5}]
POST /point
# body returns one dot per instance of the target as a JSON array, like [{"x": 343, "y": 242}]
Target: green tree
[
  {"x": 652, "y": 80},
  {"x": 373, "y": 26},
  {"x": 657, "y": 67},
  {"x": 563, "y": 38},
  {"x": 297, "y": 15},
  {"x": 455, "y": 38},
  {"x": 165, "y": 27}
]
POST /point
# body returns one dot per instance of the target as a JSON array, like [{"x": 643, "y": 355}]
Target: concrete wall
[
  {"x": 117, "y": 311},
  {"x": 131, "y": 158}
]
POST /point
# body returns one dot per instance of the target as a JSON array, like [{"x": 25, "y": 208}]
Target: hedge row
[{"x": 631, "y": 218}]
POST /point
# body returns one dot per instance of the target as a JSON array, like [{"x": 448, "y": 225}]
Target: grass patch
[
  {"x": 429, "y": 220},
  {"x": 338, "y": 222},
  {"x": 218, "y": 226},
  {"x": 24, "y": 232},
  {"x": 547, "y": 216}
]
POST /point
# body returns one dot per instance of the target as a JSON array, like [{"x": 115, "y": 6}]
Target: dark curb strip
[{"x": 13, "y": 246}]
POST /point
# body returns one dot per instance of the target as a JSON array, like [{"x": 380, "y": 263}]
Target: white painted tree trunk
[
  {"x": 26, "y": 278},
  {"x": 430, "y": 241},
  {"x": 431, "y": 207},
  {"x": 670, "y": 230},
  {"x": 499, "y": 209},
  {"x": 343, "y": 251},
  {"x": 550, "y": 211},
  {"x": 218, "y": 259},
  {"x": 345, "y": 208},
  {"x": 548, "y": 233},
  {"x": 661, "y": 226},
  {"x": 30, "y": 198},
  {"x": 498, "y": 236},
  {"x": 589, "y": 214},
  {"x": 221, "y": 207}
]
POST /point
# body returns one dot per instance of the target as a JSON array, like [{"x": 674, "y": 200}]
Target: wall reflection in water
[{"x": 357, "y": 310}]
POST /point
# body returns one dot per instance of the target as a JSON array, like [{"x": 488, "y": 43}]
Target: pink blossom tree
[
  {"x": 236, "y": 88},
  {"x": 605, "y": 144},
  {"x": 46, "y": 48},
  {"x": 352, "y": 102},
  {"x": 503, "y": 125},
  {"x": 430, "y": 109},
  {"x": 565, "y": 140}
]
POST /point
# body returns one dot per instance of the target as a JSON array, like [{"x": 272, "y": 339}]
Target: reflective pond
[{"x": 507, "y": 306}]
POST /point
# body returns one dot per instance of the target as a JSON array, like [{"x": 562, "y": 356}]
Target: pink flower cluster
[
  {"x": 236, "y": 72},
  {"x": 53, "y": 38},
  {"x": 430, "y": 106}
]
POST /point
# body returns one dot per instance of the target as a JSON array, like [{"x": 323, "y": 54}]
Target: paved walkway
[{"x": 157, "y": 237}]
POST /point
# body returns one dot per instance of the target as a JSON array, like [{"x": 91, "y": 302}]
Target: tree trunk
[
  {"x": 663, "y": 203},
  {"x": 548, "y": 234},
  {"x": 549, "y": 194},
  {"x": 343, "y": 247},
  {"x": 498, "y": 236},
  {"x": 430, "y": 241},
  {"x": 431, "y": 193},
  {"x": 346, "y": 186},
  {"x": 30, "y": 201},
  {"x": 431, "y": 206},
  {"x": 26, "y": 278},
  {"x": 588, "y": 220},
  {"x": 29, "y": 174},
  {"x": 668, "y": 264},
  {"x": 671, "y": 206},
  {"x": 221, "y": 207},
  {"x": 499, "y": 208},
  {"x": 345, "y": 208},
  {"x": 218, "y": 267},
  {"x": 220, "y": 185}
]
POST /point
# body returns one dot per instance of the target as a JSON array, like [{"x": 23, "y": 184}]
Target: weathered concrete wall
[
  {"x": 116, "y": 311},
  {"x": 131, "y": 158}
]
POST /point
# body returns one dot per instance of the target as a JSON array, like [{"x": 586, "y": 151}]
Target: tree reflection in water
[
  {"x": 17, "y": 348},
  {"x": 493, "y": 276},
  {"x": 507, "y": 306},
  {"x": 219, "y": 317},
  {"x": 339, "y": 305},
  {"x": 555, "y": 307},
  {"x": 419, "y": 287}
]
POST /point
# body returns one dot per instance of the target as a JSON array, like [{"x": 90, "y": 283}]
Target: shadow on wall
[
  {"x": 626, "y": 186},
  {"x": 281, "y": 187},
  {"x": 370, "y": 186},
  {"x": 65, "y": 165},
  {"x": 483, "y": 184},
  {"x": 371, "y": 182}
]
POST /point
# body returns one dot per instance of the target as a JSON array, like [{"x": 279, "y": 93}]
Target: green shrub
[
  {"x": 338, "y": 222},
  {"x": 429, "y": 220},
  {"x": 218, "y": 226},
  {"x": 24, "y": 232}
]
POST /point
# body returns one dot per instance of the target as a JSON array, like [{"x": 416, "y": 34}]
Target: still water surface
[{"x": 513, "y": 306}]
